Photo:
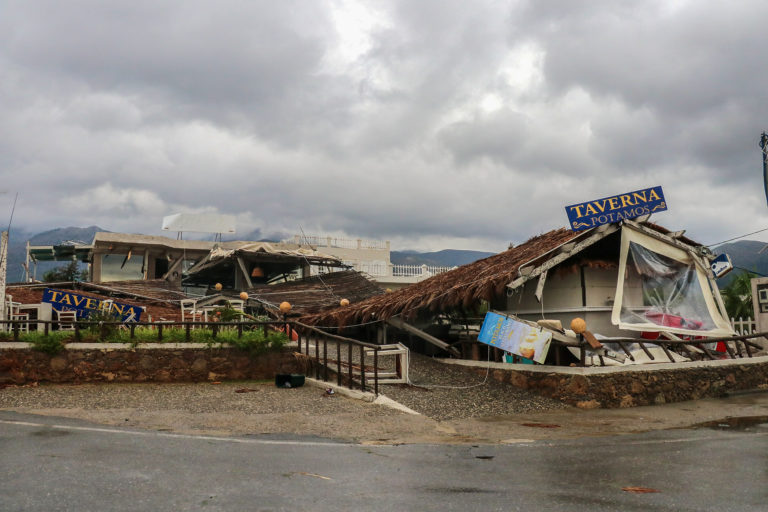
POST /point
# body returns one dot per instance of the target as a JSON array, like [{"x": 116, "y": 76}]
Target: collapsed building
[
  {"x": 158, "y": 273},
  {"x": 636, "y": 285}
]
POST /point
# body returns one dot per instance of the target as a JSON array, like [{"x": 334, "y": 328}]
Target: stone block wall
[
  {"x": 637, "y": 385},
  {"x": 85, "y": 362}
]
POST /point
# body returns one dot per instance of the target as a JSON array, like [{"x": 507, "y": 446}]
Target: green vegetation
[
  {"x": 737, "y": 296},
  {"x": 69, "y": 272},
  {"x": 254, "y": 341},
  {"x": 51, "y": 344}
]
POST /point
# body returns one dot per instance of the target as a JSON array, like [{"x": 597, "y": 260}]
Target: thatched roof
[
  {"x": 462, "y": 286},
  {"x": 313, "y": 294}
]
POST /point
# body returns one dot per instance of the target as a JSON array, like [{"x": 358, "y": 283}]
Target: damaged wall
[{"x": 639, "y": 385}]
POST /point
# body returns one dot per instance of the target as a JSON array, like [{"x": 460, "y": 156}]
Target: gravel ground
[
  {"x": 490, "y": 413},
  {"x": 465, "y": 393},
  {"x": 260, "y": 408},
  {"x": 219, "y": 409},
  {"x": 445, "y": 392}
]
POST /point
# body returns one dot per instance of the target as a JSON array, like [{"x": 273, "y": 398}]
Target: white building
[{"x": 371, "y": 257}]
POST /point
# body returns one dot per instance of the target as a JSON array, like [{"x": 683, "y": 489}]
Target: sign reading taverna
[
  {"x": 62, "y": 300},
  {"x": 615, "y": 208}
]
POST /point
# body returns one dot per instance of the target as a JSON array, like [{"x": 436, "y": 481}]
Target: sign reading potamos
[
  {"x": 615, "y": 208},
  {"x": 69, "y": 301}
]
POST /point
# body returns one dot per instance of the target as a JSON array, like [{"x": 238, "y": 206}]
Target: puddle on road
[{"x": 741, "y": 424}]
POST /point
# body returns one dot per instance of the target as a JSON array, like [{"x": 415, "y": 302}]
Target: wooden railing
[
  {"x": 742, "y": 347},
  {"x": 308, "y": 333}
]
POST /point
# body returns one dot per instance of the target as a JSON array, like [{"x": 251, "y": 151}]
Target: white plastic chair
[
  {"x": 18, "y": 316},
  {"x": 66, "y": 320}
]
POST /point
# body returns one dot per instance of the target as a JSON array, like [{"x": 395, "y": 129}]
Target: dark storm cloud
[{"x": 422, "y": 121}]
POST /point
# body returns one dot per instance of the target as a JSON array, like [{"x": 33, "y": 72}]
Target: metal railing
[{"x": 14, "y": 326}]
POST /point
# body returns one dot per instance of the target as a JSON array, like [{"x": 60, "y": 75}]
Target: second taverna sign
[{"x": 615, "y": 208}]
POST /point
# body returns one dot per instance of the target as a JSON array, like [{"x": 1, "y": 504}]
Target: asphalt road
[{"x": 54, "y": 464}]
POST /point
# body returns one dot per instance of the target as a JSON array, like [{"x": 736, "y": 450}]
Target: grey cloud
[{"x": 231, "y": 107}]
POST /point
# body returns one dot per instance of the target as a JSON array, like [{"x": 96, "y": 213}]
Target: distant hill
[{"x": 444, "y": 258}]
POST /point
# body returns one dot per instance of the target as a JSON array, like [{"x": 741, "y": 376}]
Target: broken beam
[{"x": 400, "y": 324}]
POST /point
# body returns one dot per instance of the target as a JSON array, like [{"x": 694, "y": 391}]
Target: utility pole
[
  {"x": 3, "y": 268},
  {"x": 764, "y": 147}
]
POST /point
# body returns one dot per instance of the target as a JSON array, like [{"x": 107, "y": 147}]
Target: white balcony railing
[
  {"x": 340, "y": 243},
  {"x": 377, "y": 270},
  {"x": 744, "y": 326}
]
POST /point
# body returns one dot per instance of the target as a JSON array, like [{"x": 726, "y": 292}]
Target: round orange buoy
[
  {"x": 218, "y": 287},
  {"x": 244, "y": 295},
  {"x": 344, "y": 302},
  {"x": 578, "y": 325},
  {"x": 285, "y": 307}
]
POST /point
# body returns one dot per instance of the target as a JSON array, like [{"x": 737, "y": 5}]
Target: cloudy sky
[{"x": 431, "y": 123}]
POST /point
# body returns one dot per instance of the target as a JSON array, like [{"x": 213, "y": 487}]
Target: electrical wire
[{"x": 737, "y": 237}]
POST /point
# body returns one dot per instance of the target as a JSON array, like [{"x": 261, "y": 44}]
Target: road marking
[{"x": 178, "y": 436}]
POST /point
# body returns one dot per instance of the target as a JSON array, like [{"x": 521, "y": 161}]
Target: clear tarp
[{"x": 661, "y": 288}]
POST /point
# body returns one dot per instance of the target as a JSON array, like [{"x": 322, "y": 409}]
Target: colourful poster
[{"x": 515, "y": 337}]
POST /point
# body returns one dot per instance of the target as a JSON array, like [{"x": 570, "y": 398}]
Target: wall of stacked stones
[
  {"x": 649, "y": 385},
  {"x": 160, "y": 363}
]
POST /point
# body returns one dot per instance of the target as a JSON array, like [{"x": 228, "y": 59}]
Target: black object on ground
[{"x": 286, "y": 380}]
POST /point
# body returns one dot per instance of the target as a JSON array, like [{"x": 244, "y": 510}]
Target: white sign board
[
  {"x": 721, "y": 265},
  {"x": 199, "y": 223}
]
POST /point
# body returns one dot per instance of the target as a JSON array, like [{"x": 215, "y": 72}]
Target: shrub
[
  {"x": 51, "y": 344},
  {"x": 253, "y": 340}
]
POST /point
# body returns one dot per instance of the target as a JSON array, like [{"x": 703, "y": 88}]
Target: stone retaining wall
[
  {"x": 612, "y": 387},
  {"x": 184, "y": 362}
]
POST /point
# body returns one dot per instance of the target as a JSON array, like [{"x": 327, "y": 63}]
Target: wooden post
[
  {"x": 338, "y": 363},
  {"x": 349, "y": 360},
  {"x": 362, "y": 368}
]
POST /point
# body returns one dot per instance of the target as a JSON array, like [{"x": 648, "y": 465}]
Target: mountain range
[{"x": 444, "y": 258}]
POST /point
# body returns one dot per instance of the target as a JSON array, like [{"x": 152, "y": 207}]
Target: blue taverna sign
[
  {"x": 62, "y": 300},
  {"x": 615, "y": 208}
]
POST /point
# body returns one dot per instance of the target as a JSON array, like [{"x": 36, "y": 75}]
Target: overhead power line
[{"x": 738, "y": 237}]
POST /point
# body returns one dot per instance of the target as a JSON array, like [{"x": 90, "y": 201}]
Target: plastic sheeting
[{"x": 661, "y": 288}]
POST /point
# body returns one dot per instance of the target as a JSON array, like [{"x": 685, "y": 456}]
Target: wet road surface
[{"x": 57, "y": 464}]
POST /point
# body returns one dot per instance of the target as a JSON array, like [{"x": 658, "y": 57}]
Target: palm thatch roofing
[
  {"x": 314, "y": 294},
  {"x": 464, "y": 286}
]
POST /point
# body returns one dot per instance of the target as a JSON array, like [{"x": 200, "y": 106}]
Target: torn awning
[{"x": 662, "y": 287}]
